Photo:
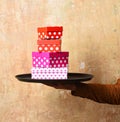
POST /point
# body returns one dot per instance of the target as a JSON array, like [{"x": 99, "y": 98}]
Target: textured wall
[{"x": 91, "y": 35}]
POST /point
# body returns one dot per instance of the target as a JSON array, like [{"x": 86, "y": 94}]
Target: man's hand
[{"x": 62, "y": 86}]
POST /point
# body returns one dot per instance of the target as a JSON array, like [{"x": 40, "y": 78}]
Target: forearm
[{"x": 99, "y": 93}]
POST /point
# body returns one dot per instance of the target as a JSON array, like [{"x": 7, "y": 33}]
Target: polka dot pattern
[
  {"x": 49, "y": 62},
  {"x": 49, "y": 48},
  {"x": 49, "y": 35},
  {"x": 49, "y": 73},
  {"x": 46, "y": 61}
]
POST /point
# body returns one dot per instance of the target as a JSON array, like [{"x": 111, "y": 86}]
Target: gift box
[
  {"x": 49, "y": 32},
  {"x": 49, "y": 73},
  {"x": 50, "y": 59},
  {"x": 49, "y": 45}
]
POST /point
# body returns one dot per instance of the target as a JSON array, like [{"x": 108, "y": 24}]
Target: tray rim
[{"x": 20, "y": 77}]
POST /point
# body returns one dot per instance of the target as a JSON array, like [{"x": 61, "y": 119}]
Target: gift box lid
[
  {"x": 50, "y": 54},
  {"x": 39, "y": 42},
  {"x": 52, "y": 28}
]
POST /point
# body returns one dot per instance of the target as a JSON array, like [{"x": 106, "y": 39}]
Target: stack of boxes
[{"x": 49, "y": 62}]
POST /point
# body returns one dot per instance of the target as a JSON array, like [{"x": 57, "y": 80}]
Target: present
[
  {"x": 50, "y": 59},
  {"x": 54, "y": 32},
  {"x": 49, "y": 45},
  {"x": 49, "y": 73}
]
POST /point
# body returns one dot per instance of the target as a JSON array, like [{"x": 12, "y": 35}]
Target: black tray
[{"x": 72, "y": 78}]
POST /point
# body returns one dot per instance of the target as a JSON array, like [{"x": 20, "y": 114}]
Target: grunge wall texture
[{"x": 92, "y": 37}]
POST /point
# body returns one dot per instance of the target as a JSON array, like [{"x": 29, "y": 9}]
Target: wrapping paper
[
  {"x": 49, "y": 45},
  {"x": 50, "y": 32},
  {"x": 49, "y": 73},
  {"x": 52, "y": 60}
]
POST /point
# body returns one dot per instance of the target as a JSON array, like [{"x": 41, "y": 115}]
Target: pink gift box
[
  {"x": 50, "y": 59},
  {"x": 49, "y": 73}
]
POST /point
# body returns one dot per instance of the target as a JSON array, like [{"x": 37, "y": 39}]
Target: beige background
[{"x": 91, "y": 35}]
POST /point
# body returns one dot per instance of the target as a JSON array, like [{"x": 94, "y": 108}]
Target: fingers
[{"x": 61, "y": 86}]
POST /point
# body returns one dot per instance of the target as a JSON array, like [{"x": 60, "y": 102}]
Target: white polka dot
[
  {"x": 44, "y": 63},
  {"x": 47, "y": 37},
  {"x": 62, "y": 65},
  {"x": 52, "y": 37},
  {"x": 60, "y": 61},
  {"x": 38, "y": 62},
  {"x": 43, "y": 33},
  {"x": 56, "y": 61},
  {"x": 64, "y": 61},
  {"x": 54, "y": 65},
  {"x": 54, "y": 33},
  {"x": 52, "y": 62},
  {"x": 34, "y": 62},
  {"x": 57, "y": 37},
  {"x": 41, "y": 60},
  {"x": 36, "y": 59},
  {"x": 51, "y": 48},
  {"x": 49, "y": 33},
  {"x": 38, "y": 33},
  {"x": 57, "y": 48},
  {"x": 40, "y": 48},
  {"x": 62, "y": 57},
  {"x": 47, "y": 60},
  {"x": 41, "y": 36},
  {"x": 59, "y": 33},
  {"x": 46, "y": 48}
]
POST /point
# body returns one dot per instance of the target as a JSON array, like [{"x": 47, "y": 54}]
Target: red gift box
[
  {"x": 49, "y": 45},
  {"x": 50, "y": 32}
]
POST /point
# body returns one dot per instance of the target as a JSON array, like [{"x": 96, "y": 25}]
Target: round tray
[{"x": 72, "y": 78}]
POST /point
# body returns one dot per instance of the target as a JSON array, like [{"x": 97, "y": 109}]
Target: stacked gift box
[{"x": 49, "y": 62}]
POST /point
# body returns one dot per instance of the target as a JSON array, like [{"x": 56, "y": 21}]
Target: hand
[{"x": 62, "y": 86}]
